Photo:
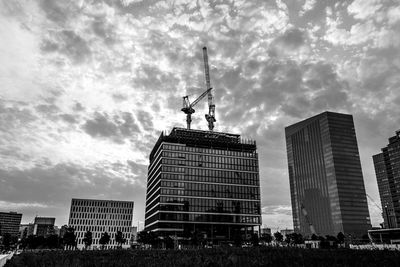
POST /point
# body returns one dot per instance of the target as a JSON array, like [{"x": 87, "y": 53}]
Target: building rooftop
[{"x": 206, "y": 139}]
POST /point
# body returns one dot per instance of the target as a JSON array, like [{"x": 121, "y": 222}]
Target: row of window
[
  {"x": 102, "y": 210},
  {"x": 81, "y": 215},
  {"x": 213, "y": 165},
  {"x": 203, "y": 172},
  {"x": 212, "y": 190},
  {"x": 209, "y": 158},
  {"x": 212, "y": 151},
  {"x": 101, "y": 229},
  {"x": 204, "y": 175},
  {"x": 243, "y": 178},
  {"x": 96, "y": 241},
  {"x": 99, "y": 222},
  {"x": 209, "y": 205},
  {"x": 209, "y": 218},
  {"x": 207, "y": 186},
  {"x": 95, "y": 203},
  {"x": 112, "y": 232}
]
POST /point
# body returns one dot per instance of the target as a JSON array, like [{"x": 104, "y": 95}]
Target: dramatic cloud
[{"x": 86, "y": 87}]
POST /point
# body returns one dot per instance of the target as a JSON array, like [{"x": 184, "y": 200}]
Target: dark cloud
[
  {"x": 151, "y": 76},
  {"x": 78, "y": 107},
  {"x": 117, "y": 97},
  {"x": 100, "y": 126},
  {"x": 292, "y": 39},
  {"x": 69, "y": 118},
  {"x": 116, "y": 128},
  {"x": 145, "y": 119},
  {"x": 14, "y": 115},
  {"x": 139, "y": 169},
  {"x": 47, "y": 109},
  {"x": 70, "y": 44},
  {"x": 75, "y": 46},
  {"x": 59, "y": 11},
  {"x": 104, "y": 30}
]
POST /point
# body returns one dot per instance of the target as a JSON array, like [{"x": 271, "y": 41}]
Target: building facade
[
  {"x": 100, "y": 216},
  {"x": 43, "y": 226},
  {"x": 203, "y": 183},
  {"x": 326, "y": 182},
  {"x": 9, "y": 223},
  {"x": 387, "y": 170}
]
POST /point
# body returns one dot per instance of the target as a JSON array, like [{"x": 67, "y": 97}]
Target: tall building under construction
[
  {"x": 326, "y": 182},
  {"x": 203, "y": 183}
]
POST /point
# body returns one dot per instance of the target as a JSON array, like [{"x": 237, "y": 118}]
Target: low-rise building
[{"x": 100, "y": 216}]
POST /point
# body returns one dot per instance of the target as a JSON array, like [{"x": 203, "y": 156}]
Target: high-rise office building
[
  {"x": 326, "y": 181},
  {"x": 387, "y": 170},
  {"x": 99, "y": 216},
  {"x": 9, "y": 223},
  {"x": 204, "y": 183}
]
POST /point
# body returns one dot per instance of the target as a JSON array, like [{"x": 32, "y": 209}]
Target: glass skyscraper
[
  {"x": 326, "y": 181},
  {"x": 203, "y": 182},
  {"x": 387, "y": 170}
]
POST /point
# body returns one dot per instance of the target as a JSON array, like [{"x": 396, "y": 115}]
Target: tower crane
[
  {"x": 305, "y": 214},
  {"x": 210, "y": 117},
  {"x": 188, "y": 107}
]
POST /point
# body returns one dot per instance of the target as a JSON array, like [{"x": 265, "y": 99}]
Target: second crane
[{"x": 188, "y": 107}]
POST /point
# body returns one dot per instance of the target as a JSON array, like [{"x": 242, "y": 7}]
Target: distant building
[
  {"x": 326, "y": 181},
  {"x": 99, "y": 216},
  {"x": 9, "y": 223},
  {"x": 387, "y": 170},
  {"x": 266, "y": 231},
  {"x": 203, "y": 183},
  {"x": 133, "y": 238},
  {"x": 43, "y": 226},
  {"x": 24, "y": 230}
]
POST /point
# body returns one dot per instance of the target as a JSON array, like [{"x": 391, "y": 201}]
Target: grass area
[{"x": 247, "y": 257}]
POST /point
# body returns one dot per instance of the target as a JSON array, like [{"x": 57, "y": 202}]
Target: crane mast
[{"x": 210, "y": 117}]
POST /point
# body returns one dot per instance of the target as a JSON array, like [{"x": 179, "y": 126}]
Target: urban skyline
[{"x": 86, "y": 88}]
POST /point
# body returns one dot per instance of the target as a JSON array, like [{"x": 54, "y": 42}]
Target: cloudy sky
[{"x": 86, "y": 87}]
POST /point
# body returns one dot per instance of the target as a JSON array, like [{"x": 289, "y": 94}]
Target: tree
[
  {"x": 314, "y": 237},
  {"x": 149, "y": 238},
  {"x": 52, "y": 241},
  {"x": 267, "y": 238},
  {"x": 255, "y": 240},
  {"x": 7, "y": 241},
  {"x": 87, "y": 239},
  {"x": 294, "y": 239},
  {"x": 119, "y": 238},
  {"x": 70, "y": 237},
  {"x": 104, "y": 239},
  {"x": 340, "y": 237},
  {"x": 278, "y": 237},
  {"x": 365, "y": 238}
]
